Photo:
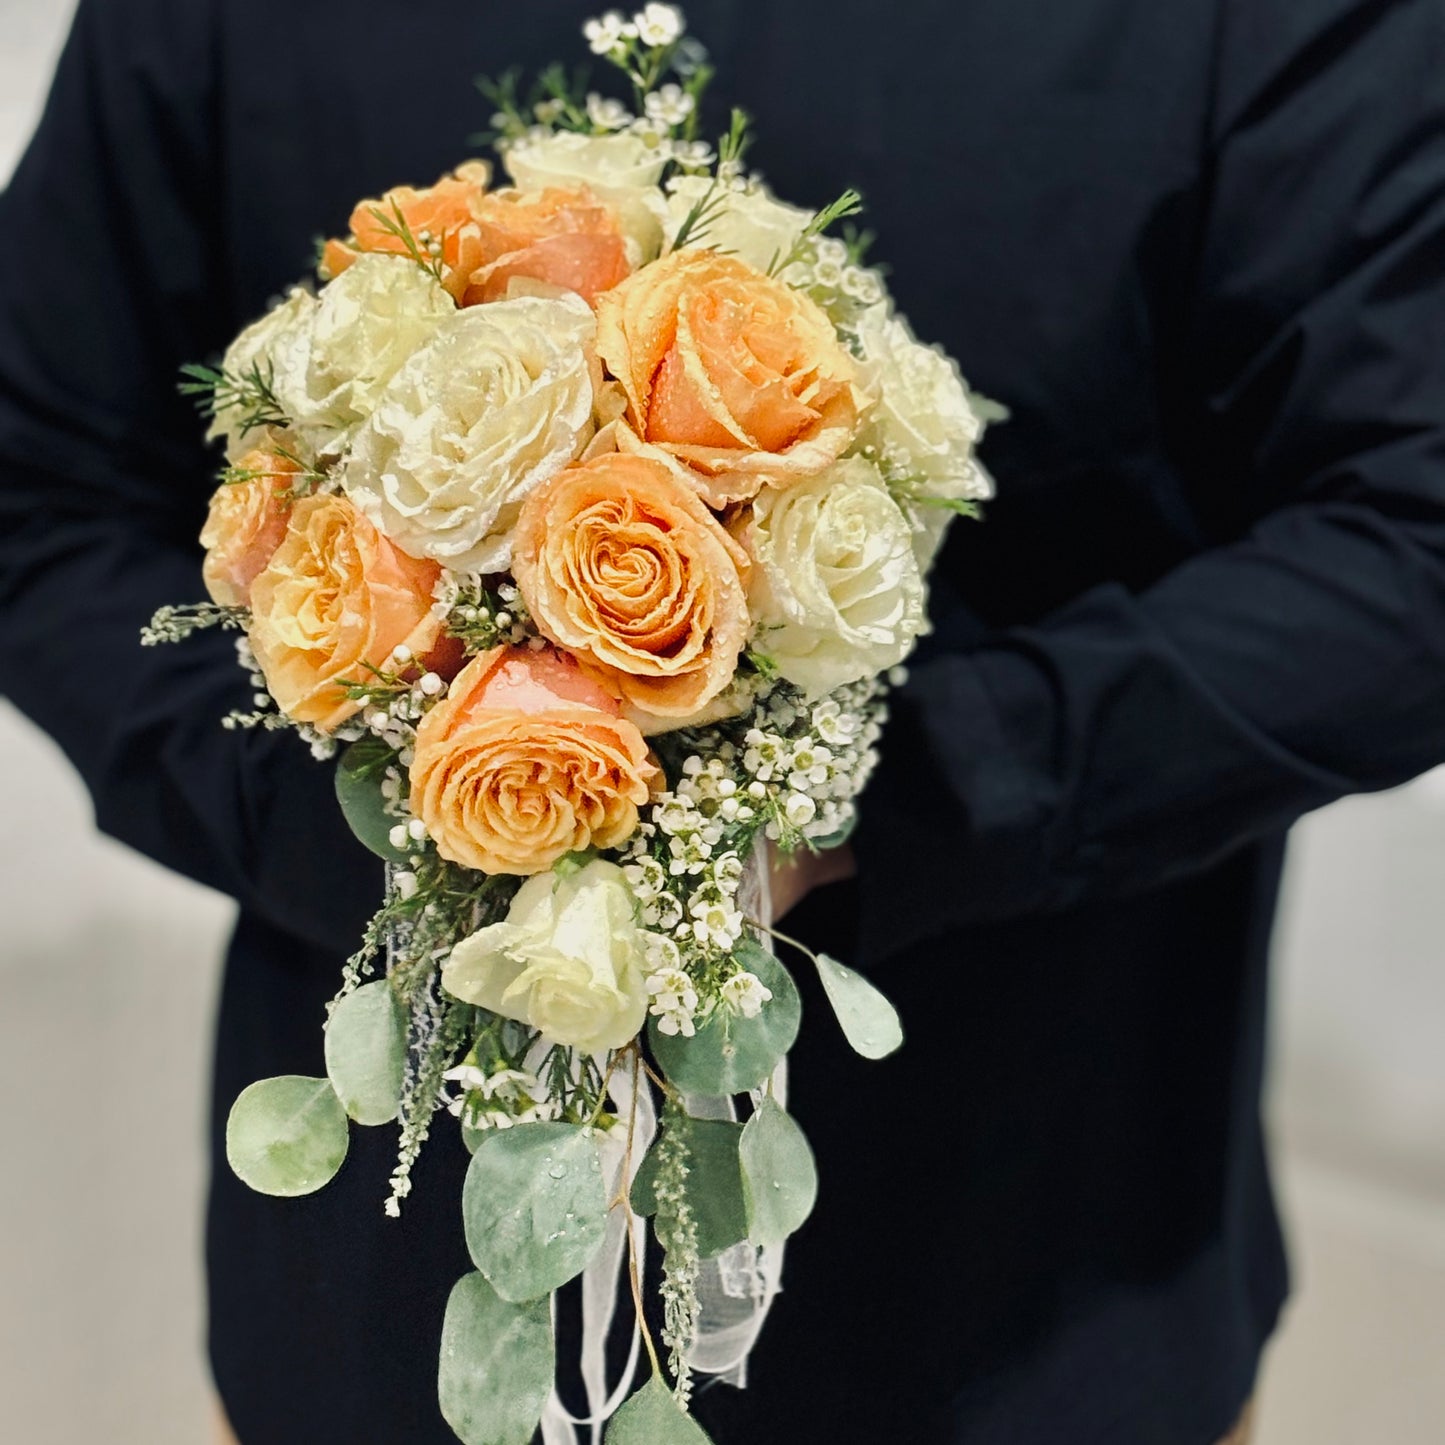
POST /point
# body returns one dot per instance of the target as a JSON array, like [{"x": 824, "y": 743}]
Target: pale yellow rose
[
  {"x": 622, "y": 171},
  {"x": 524, "y": 761},
  {"x": 568, "y": 961},
  {"x": 733, "y": 379},
  {"x": 244, "y": 526},
  {"x": 623, "y": 566},
  {"x": 366, "y": 325},
  {"x": 498, "y": 401},
  {"x": 836, "y": 591},
  {"x": 263, "y": 348},
  {"x": 335, "y": 597},
  {"x": 749, "y": 223},
  {"x": 922, "y": 425}
]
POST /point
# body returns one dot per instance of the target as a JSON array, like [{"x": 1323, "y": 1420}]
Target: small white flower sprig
[
  {"x": 788, "y": 774},
  {"x": 667, "y": 72}
]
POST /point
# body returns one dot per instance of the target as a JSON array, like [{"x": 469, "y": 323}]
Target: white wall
[{"x": 108, "y": 970}]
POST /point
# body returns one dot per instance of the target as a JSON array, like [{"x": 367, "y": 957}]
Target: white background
[{"x": 108, "y": 969}]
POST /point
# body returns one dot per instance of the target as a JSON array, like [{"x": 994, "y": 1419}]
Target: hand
[{"x": 796, "y": 875}]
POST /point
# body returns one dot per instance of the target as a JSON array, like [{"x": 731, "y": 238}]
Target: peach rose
[
  {"x": 559, "y": 237},
  {"x": 735, "y": 379},
  {"x": 439, "y": 213},
  {"x": 335, "y": 596},
  {"x": 622, "y": 565},
  {"x": 245, "y": 525},
  {"x": 525, "y": 760}
]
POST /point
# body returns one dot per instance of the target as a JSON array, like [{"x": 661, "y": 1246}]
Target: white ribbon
[{"x": 735, "y": 1290}]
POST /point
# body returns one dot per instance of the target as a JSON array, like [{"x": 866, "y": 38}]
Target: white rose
[
  {"x": 923, "y": 425},
  {"x": 751, "y": 224},
  {"x": 569, "y": 960},
  {"x": 837, "y": 592},
  {"x": 622, "y": 171},
  {"x": 499, "y": 400},
  {"x": 365, "y": 325},
  {"x": 255, "y": 352}
]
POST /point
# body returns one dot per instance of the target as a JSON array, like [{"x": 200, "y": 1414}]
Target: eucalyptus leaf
[
  {"x": 870, "y": 1023},
  {"x": 535, "y": 1207},
  {"x": 653, "y": 1417},
  {"x": 366, "y": 1053},
  {"x": 359, "y": 776},
  {"x": 780, "y": 1179},
  {"x": 497, "y": 1363},
  {"x": 287, "y": 1136},
  {"x": 714, "y": 1182},
  {"x": 731, "y": 1054}
]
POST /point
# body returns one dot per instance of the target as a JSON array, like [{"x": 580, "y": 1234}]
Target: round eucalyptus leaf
[
  {"x": 714, "y": 1182},
  {"x": 359, "y": 776},
  {"x": 780, "y": 1180},
  {"x": 535, "y": 1207},
  {"x": 870, "y": 1023},
  {"x": 653, "y": 1417},
  {"x": 366, "y": 1053},
  {"x": 496, "y": 1367},
  {"x": 731, "y": 1054},
  {"x": 287, "y": 1136}
]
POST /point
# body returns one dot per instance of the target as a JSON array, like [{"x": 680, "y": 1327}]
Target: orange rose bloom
[
  {"x": 735, "y": 379},
  {"x": 335, "y": 596},
  {"x": 443, "y": 212},
  {"x": 622, "y": 565},
  {"x": 525, "y": 760},
  {"x": 245, "y": 525},
  {"x": 560, "y": 237}
]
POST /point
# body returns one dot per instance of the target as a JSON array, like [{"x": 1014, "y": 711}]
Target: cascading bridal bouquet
[{"x": 586, "y": 518}]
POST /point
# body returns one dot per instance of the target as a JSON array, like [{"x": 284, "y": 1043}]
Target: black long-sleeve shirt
[{"x": 1198, "y": 249}]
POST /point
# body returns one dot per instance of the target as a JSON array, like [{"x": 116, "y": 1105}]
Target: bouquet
[{"x": 585, "y": 521}]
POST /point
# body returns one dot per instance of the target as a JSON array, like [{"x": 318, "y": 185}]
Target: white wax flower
[
  {"x": 622, "y": 171},
  {"x": 837, "y": 593},
  {"x": 569, "y": 960},
  {"x": 923, "y": 424},
  {"x": 750, "y": 224},
  {"x": 330, "y": 372},
  {"x": 498, "y": 401}
]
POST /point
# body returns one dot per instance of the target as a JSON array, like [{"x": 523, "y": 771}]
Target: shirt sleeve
[
  {"x": 1130, "y": 739},
  {"x": 112, "y": 274}
]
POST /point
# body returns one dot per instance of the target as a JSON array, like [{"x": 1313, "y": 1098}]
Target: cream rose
[
  {"x": 732, "y": 378},
  {"x": 622, "y": 171},
  {"x": 622, "y": 565},
  {"x": 568, "y": 961},
  {"x": 263, "y": 348},
  {"x": 331, "y": 372},
  {"x": 923, "y": 425},
  {"x": 500, "y": 400},
  {"x": 836, "y": 593},
  {"x": 525, "y": 760},
  {"x": 335, "y": 597},
  {"x": 750, "y": 224}
]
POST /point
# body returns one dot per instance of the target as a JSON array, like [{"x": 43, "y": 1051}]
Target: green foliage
[
  {"x": 359, "y": 777},
  {"x": 714, "y": 1181},
  {"x": 396, "y": 225},
  {"x": 780, "y": 1179},
  {"x": 850, "y": 203},
  {"x": 535, "y": 1208},
  {"x": 497, "y": 1361},
  {"x": 653, "y": 1417},
  {"x": 705, "y": 212},
  {"x": 730, "y": 1054},
  {"x": 869, "y": 1021},
  {"x": 287, "y": 1136},
  {"x": 366, "y": 1053},
  {"x": 250, "y": 394}
]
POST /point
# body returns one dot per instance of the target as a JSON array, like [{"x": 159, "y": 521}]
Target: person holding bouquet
[{"x": 1198, "y": 257}]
